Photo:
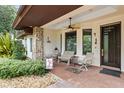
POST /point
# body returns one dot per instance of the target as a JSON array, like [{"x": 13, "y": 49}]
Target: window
[
  {"x": 87, "y": 41},
  {"x": 70, "y": 41},
  {"x": 25, "y": 43},
  {"x": 30, "y": 44}
]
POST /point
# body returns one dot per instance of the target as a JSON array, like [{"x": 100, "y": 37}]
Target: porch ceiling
[
  {"x": 38, "y": 15},
  {"x": 87, "y": 13}
]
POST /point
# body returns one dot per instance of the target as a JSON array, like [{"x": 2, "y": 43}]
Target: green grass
[{"x": 10, "y": 68}]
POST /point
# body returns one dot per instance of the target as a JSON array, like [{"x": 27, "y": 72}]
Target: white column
[
  {"x": 79, "y": 42},
  {"x": 63, "y": 42},
  {"x": 122, "y": 45},
  {"x": 96, "y": 47}
]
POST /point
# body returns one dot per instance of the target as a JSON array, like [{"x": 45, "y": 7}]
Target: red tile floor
[{"x": 88, "y": 79}]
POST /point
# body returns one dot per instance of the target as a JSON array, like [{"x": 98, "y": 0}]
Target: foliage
[
  {"x": 8, "y": 48},
  {"x": 18, "y": 50},
  {"x": 87, "y": 44},
  {"x": 5, "y": 44},
  {"x": 7, "y": 16},
  {"x": 71, "y": 43},
  {"x": 10, "y": 68}
]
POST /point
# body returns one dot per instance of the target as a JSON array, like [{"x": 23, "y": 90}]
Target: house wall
[
  {"x": 95, "y": 25},
  {"x": 54, "y": 42},
  {"x": 29, "y": 53}
]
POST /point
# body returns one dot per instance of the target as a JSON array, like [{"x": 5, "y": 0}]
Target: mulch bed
[{"x": 29, "y": 81}]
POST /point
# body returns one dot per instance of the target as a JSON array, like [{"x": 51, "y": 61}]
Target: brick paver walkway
[{"x": 86, "y": 79}]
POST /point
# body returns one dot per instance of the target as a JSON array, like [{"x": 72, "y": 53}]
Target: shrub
[
  {"x": 18, "y": 50},
  {"x": 14, "y": 68},
  {"x": 5, "y": 45}
]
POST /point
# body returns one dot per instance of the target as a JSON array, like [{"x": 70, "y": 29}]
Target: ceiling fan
[{"x": 70, "y": 25}]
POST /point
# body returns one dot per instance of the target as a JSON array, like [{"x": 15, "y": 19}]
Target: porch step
[{"x": 62, "y": 84}]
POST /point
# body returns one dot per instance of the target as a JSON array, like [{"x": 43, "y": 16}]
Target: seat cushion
[{"x": 64, "y": 58}]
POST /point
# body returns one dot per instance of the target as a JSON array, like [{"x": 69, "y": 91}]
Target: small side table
[
  {"x": 55, "y": 57},
  {"x": 74, "y": 60}
]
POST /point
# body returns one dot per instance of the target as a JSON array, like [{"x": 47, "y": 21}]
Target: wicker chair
[
  {"x": 87, "y": 61},
  {"x": 66, "y": 57}
]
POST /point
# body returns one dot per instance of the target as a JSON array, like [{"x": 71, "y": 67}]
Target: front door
[{"x": 111, "y": 45}]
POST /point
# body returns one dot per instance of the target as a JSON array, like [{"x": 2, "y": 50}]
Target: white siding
[
  {"x": 27, "y": 43},
  {"x": 49, "y": 47}
]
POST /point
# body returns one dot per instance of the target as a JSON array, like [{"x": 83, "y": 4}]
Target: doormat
[
  {"x": 110, "y": 72},
  {"x": 74, "y": 70}
]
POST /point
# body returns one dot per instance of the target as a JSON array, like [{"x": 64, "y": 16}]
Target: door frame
[{"x": 109, "y": 24}]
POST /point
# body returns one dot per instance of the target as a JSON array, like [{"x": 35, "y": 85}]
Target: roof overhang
[
  {"x": 24, "y": 32},
  {"x": 38, "y": 15}
]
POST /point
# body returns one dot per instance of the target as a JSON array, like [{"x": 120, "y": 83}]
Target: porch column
[
  {"x": 122, "y": 47},
  {"x": 37, "y": 51},
  {"x": 79, "y": 42}
]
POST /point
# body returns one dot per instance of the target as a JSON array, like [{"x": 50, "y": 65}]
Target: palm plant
[{"x": 5, "y": 44}]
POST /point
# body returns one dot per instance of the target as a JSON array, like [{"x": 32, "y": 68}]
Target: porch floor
[{"x": 88, "y": 79}]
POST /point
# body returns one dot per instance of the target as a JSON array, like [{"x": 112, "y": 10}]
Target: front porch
[
  {"x": 93, "y": 29},
  {"x": 88, "y": 79},
  {"x": 96, "y": 34}
]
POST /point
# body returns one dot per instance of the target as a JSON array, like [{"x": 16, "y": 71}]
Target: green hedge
[
  {"x": 15, "y": 68},
  {"x": 18, "y": 50}
]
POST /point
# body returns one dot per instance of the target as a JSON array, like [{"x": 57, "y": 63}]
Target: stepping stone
[{"x": 62, "y": 84}]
